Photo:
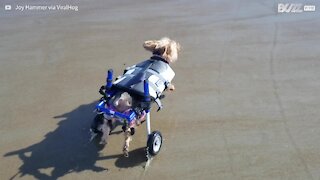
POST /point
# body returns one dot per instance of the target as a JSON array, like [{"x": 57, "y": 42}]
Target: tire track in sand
[{"x": 280, "y": 104}]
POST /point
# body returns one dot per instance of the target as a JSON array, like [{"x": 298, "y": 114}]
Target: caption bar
[{"x": 58, "y": 7}]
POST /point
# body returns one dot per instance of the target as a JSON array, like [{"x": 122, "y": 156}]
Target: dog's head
[{"x": 165, "y": 47}]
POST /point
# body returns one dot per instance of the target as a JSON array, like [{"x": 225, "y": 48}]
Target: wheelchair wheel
[{"x": 154, "y": 143}]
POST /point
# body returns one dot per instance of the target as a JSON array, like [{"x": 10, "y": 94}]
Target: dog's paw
[
  {"x": 126, "y": 154},
  {"x": 103, "y": 142},
  {"x": 171, "y": 87}
]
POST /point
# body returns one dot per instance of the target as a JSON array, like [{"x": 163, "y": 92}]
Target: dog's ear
[
  {"x": 171, "y": 52},
  {"x": 150, "y": 45},
  {"x": 178, "y": 46},
  {"x": 168, "y": 50}
]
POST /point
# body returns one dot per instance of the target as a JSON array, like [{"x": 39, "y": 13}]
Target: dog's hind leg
[
  {"x": 94, "y": 129},
  {"x": 110, "y": 123},
  {"x": 105, "y": 129},
  {"x": 92, "y": 135},
  {"x": 127, "y": 140}
]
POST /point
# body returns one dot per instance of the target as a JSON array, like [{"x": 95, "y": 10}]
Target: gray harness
[{"x": 156, "y": 71}]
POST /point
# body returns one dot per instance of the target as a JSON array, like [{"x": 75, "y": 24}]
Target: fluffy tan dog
[{"x": 168, "y": 51}]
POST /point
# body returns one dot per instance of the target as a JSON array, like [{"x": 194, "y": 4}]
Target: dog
[{"x": 165, "y": 50}]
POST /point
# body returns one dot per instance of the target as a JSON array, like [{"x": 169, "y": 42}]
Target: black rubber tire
[{"x": 153, "y": 143}]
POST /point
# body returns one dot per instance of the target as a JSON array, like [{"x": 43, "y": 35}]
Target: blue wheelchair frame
[{"x": 102, "y": 108}]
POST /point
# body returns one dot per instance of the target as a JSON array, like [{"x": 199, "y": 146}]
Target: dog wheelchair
[{"x": 143, "y": 101}]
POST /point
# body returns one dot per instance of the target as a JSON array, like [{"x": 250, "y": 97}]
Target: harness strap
[{"x": 159, "y": 104}]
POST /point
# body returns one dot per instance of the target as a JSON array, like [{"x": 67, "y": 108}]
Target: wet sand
[{"x": 246, "y": 104}]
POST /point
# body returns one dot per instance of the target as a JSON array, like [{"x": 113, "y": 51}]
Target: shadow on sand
[{"x": 67, "y": 149}]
